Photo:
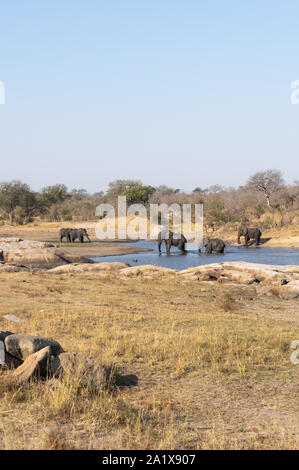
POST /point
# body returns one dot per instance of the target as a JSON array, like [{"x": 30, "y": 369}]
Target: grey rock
[
  {"x": 11, "y": 362},
  {"x": 36, "y": 365},
  {"x": 76, "y": 366},
  {"x": 21, "y": 346},
  {"x": 3, "y": 334},
  {"x": 13, "y": 318},
  {"x": 2, "y": 354}
]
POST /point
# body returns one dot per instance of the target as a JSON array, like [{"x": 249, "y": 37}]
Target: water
[{"x": 176, "y": 260}]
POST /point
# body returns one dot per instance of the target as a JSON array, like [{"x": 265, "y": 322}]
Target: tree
[
  {"x": 79, "y": 194},
  {"x": 134, "y": 191},
  {"x": 51, "y": 195},
  {"x": 30, "y": 205},
  {"x": 139, "y": 194},
  {"x": 266, "y": 182},
  {"x": 13, "y": 194}
]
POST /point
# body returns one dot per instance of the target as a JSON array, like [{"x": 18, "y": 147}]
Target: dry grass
[{"x": 213, "y": 365}]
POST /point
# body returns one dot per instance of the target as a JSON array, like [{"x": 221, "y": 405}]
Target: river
[{"x": 176, "y": 260}]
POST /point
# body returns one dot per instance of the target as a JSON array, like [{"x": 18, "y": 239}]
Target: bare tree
[{"x": 266, "y": 182}]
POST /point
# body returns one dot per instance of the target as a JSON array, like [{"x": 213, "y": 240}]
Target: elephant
[
  {"x": 172, "y": 239},
  {"x": 249, "y": 233},
  {"x": 65, "y": 233},
  {"x": 79, "y": 233},
  {"x": 213, "y": 244}
]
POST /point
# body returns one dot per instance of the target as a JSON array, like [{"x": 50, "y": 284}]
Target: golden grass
[{"x": 213, "y": 365}]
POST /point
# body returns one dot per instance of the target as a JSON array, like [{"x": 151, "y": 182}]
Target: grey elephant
[
  {"x": 171, "y": 239},
  {"x": 79, "y": 233},
  {"x": 249, "y": 233},
  {"x": 213, "y": 244},
  {"x": 65, "y": 233}
]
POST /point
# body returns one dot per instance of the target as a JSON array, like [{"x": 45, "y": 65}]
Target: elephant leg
[
  {"x": 159, "y": 246},
  {"x": 168, "y": 246},
  {"x": 181, "y": 246},
  {"x": 61, "y": 239},
  {"x": 247, "y": 240},
  {"x": 209, "y": 248}
]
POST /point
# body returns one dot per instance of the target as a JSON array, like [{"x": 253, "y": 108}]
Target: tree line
[{"x": 264, "y": 195}]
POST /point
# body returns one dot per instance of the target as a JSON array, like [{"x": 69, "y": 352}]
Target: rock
[
  {"x": 35, "y": 254},
  {"x": 21, "y": 346},
  {"x": 11, "y": 362},
  {"x": 289, "y": 290},
  {"x": 88, "y": 268},
  {"x": 241, "y": 272},
  {"x": 76, "y": 366},
  {"x": 146, "y": 270},
  {"x": 11, "y": 268},
  {"x": 2, "y": 354},
  {"x": 13, "y": 318},
  {"x": 3, "y": 334},
  {"x": 36, "y": 365}
]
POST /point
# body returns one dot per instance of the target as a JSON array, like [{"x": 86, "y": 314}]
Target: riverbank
[
  {"x": 285, "y": 237},
  {"x": 49, "y": 232}
]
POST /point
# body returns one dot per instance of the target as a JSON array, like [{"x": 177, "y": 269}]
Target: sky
[{"x": 185, "y": 93}]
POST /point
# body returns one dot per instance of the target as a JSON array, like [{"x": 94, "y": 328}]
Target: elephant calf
[
  {"x": 249, "y": 233},
  {"x": 172, "y": 239},
  {"x": 213, "y": 244}
]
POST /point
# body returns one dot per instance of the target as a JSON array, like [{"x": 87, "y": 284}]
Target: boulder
[
  {"x": 76, "y": 366},
  {"x": 2, "y": 354},
  {"x": 88, "y": 268},
  {"x": 11, "y": 362},
  {"x": 3, "y": 334},
  {"x": 146, "y": 270},
  {"x": 290, "y": 290},
  {"x": 35, "y": 365},
  {"x": 36, "y": 254},
  {"x": 241, "y": 272},
  {"x": 21, "y": 346},
  {"x": 11, "y": 268}
]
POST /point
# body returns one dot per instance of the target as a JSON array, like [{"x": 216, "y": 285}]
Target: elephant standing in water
[
  {"x": 213, "y": 244},
  {"x": 171, "y": 239},
  {"x": 249, "y": 233}
]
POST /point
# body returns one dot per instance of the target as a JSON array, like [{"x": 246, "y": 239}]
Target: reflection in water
[{"x": 177, "y": 260}]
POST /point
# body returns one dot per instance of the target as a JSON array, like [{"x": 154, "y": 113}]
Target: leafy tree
[
  {"x": 52, "y": 195},
  {"x": 134, "y": 191},
  {"x": 139, "y": 194},
  {"x": 78, "y": 194},
  {"x": 13, "y": 194}
]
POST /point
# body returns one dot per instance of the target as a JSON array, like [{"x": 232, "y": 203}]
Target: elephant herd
[
  {"x": 211, "y": 244},
  {"x": 71, "y": 234}
]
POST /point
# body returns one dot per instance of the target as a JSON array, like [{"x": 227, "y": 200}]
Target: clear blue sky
[{"x": 187, "y": 93}]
